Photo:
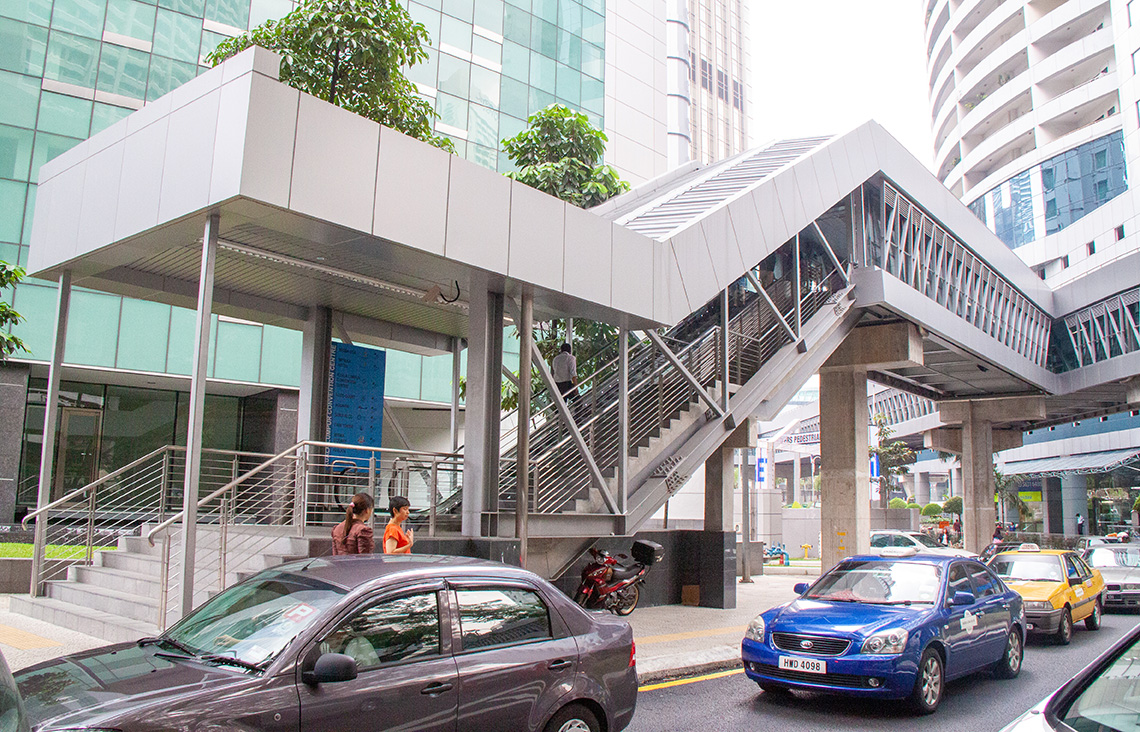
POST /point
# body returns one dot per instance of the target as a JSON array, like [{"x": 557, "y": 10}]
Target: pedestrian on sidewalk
[
  {"x": 354, "y": 535},
  {"x": 1080, "y": 525},
  {"x": 396, "y": 540}
]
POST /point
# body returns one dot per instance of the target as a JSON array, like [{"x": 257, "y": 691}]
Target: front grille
[
  {"x": 820, "y": 645},
  {"x": 849, "y": 681},
  {"x": 1113, "y": 588}
]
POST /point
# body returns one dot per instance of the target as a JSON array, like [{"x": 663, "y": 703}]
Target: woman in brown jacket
[{"x": 354, "y": 535}]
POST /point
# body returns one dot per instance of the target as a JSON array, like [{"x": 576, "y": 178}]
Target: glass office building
[{"x": 70, "y": 68}]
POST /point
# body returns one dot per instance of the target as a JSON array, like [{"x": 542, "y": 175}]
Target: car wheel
[
  {"x": 928, "y": 684},
  {"x": 573, "y": 718},
  {"x": 1092, "y": 622},
  {"x": 1010, "y": 664},
  {"x": 1065, "y": 630},
  {"x": 769, "y": 688},
  {"x": 628, "y": 601}
]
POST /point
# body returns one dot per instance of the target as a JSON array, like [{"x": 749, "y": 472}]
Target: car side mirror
[
  {"x": 963, "y": 598},
  {"x": 331, "y": 668},
  {"x": 800, "y": 588}
]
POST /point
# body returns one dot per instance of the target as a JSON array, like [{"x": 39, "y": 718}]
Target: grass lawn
[{"x": 53, "y": 551}]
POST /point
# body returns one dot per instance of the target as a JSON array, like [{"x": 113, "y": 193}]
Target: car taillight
[{"x": 632, "y": 654}]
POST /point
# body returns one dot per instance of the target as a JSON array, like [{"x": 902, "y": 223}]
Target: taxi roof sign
[{"x": 1028, "y": 547}]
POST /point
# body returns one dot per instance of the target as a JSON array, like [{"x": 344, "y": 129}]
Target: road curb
[{"x": 688, "y": 664}]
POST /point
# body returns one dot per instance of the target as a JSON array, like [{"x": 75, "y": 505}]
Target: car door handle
[
  {"x": 560, "y": 665},
  {"x": 436, "y": 688}
]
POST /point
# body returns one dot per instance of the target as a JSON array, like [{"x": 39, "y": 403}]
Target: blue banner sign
[{"x": 356, "y": 398}]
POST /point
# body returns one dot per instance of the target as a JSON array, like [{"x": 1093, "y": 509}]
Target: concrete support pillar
[
  {"x": 316, "y": 351},
  {"x": 1054, "y": 518},
  {"x": 978, "y": 513},
  {"x": 484, "y": 396},
  {"x": 955, "y": 488},
  {"x": 922, "y": 488},
  {"x": 797, "y": 490},
  {"x": 13, "y": 402},
  {"x": 1074, "y": 500},
  {"x": 719, "y": 482},
  {"x": 845, "y": 516}
]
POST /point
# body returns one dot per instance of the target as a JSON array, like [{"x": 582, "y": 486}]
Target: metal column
[
  {"x": 456, "y": 361},
  {"x": 747, "y": 476},
  {"x": 51, "y": 416},
  {"x": 197, "y": 404},
  {"x": 724, "y": 349},
  {"x": 623, "y": 420},
  {"x": 483, "y": 405},
  {"x": 522, "y": 450}
]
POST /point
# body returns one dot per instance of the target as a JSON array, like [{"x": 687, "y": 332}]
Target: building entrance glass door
[{"x": 78, "y": 453}]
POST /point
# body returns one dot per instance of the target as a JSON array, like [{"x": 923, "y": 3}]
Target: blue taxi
[{"x": 897, "y": 626}]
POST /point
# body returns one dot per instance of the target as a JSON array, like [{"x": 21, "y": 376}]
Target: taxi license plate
[{"x": 807, "y": 665}]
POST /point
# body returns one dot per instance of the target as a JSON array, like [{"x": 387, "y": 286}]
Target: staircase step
[
  {"x": 109, "y": 627},
  {"x": 116, "y": 602},
  {"x": 132, "y": 562},
  {"x": 134, "y": 583}
]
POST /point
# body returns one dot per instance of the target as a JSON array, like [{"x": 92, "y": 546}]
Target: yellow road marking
[
  {"x": 24, "y": 640},
  {"x": 691, "y": 634},
  {"x": 678, "y": 682}
]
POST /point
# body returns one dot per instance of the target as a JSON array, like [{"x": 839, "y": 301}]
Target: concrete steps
[{"x": 116, "y": 597}]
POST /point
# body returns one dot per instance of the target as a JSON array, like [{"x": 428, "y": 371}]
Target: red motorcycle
[{"x": 611, "y": 583}]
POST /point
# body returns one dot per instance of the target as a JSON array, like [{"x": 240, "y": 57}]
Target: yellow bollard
[{"x": 806, "y": 548}]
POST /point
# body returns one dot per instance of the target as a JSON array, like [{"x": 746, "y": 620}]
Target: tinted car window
[
  {"x": 396, "y": 629},
  {"x": 880, "y": 541},
  {"x": 497, "y": 616},
  {"x": 1108, "y": 703},
  {"x": 1086, "y": 570},
  {"x": 959, "y": 581},
  {"x": 985, "y": 584},
  {"x": 1071, "y": 569}
]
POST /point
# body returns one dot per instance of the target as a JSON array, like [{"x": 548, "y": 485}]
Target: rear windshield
[
  {"x": 880, "y": 583},
  {"x": 1114, "y": 557},
  {"x": 1028, "y": 567}
]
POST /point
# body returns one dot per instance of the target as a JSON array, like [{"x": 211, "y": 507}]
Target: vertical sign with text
[{"x": 356, "y": 398}]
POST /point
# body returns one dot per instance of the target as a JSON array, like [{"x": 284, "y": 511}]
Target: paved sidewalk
[
  {"x": 675, "y": 640},
  {"x": 672, "y": 640}
]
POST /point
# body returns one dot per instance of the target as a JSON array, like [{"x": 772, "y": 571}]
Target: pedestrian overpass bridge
[{"x": 730, "y": 284}]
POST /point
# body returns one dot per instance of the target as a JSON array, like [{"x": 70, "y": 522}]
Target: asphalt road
[{"x": 979, "y": 703}]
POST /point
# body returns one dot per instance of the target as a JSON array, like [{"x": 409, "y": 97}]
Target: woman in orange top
[
  {"x": 354, "y": 535},
  {"x": 396, "y": 540}
]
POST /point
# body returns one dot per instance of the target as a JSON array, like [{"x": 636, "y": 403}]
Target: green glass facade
[{"x": 70, "y": 68}]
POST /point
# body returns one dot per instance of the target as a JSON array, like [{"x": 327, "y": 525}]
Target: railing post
[
  {"x": 164, "y": 583},
  {"x": 434, "y": 488},
  {"x": 228, "y": 502},
  {"x": 301, "y": 491},
  {"x": 723, "y": 343},
  {"x": 372, "y": 474},
  {"x": 164, "y": 486},
  {"x": 623, "y": 422},
  {"x": 90, "y": 524}
]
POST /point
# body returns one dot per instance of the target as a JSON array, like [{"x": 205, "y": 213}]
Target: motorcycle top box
[{"x": 647, "y": 552}]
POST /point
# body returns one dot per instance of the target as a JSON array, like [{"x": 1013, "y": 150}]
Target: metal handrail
[
  {"x": 175, "y": 518},
  {"x": 93, "y": 485}
]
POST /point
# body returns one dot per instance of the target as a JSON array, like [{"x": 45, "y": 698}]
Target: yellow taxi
[{"x": 1057, "y": 586}]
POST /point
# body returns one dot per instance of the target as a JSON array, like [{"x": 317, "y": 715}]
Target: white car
[{"x": 916, "y": 540}]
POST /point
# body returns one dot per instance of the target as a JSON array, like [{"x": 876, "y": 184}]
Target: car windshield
[
  {"x": 254, "y": 621},
  {"x": 1109, "y": 702},
  {"x": 1028, "y": 567},
  {"x": 1115, "y": 557},
  {"x": 879, "y": 582},
  {"x": 924, "y": 540}
]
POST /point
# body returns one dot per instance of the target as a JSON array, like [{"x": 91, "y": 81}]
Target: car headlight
[
  {"x": 755, "y": 629},
  {"x": 887, "y": 641},
  {"x": 1035, "y": 605}
]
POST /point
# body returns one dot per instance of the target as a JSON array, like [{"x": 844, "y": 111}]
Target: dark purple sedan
[{"x": 357, "y": 643}]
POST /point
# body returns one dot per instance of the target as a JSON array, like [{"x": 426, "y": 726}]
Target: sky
[{"x": 826, "y": 66}]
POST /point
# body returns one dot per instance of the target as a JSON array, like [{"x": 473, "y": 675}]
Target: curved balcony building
[{"x": 1033, "y": 106}]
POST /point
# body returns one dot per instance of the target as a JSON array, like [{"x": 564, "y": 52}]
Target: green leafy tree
[
  {"x": 560, "y": 153},
  {"x": 350, "y": 53},
  {"x": 1007, "y": 496},
  {"x": 953, "y": 505},
  {"x": 9, "y": 344},
  {"x": 1136, "y": 505},
  {"x": 895, "y": 456},
  {"x": 932, "y": 509}
]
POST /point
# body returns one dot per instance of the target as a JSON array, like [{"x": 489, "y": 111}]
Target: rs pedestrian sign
[{"x": 874, "y": 466}]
